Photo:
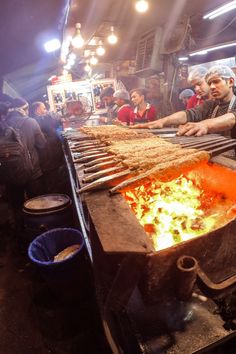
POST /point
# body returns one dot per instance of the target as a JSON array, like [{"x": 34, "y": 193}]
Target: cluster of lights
[{"x": 78, "y": 42}]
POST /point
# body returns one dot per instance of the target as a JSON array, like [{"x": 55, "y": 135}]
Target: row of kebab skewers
[{"x": 121, "y": 158}]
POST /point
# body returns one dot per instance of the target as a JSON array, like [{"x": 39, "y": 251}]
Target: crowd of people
[
  {"x": 127, "y": 108},
  {"x": 210, "y": 105},
  {"x": 38, "y": 131},
  {"x": 210, "y": 108},
  {"x": 215, "y": 114}
]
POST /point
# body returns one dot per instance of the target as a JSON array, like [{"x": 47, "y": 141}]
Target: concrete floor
[{"x": 38, "y": 318}]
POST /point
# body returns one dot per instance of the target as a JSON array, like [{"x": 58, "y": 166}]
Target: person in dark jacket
[
  {"x": 33, "y": 138},
  {"x": 108, "y": 99},
  {"x": 52, "y": 157}
]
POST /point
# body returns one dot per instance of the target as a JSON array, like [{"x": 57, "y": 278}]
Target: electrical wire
[{"x": 216, "y": 34}]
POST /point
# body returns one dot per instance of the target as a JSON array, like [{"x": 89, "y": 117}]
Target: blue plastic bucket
[{"x": 46, "y": 246}]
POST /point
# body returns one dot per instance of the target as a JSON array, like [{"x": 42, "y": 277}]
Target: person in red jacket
[
  {"x": 124, "y": 112},
  {"x": 143, "y": 112},
  {"x": 185, "y": 96}
]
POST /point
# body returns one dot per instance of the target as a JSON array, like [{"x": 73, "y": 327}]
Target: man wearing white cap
[
  {"x": 196, "y": 79},
  {"x": 218, "y": 114},
  {"x": 215, "y": 115},
  {"x": 124, "y": 112}
]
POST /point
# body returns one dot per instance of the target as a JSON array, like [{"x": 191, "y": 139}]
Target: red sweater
[
  {"x": 194, "y": 101},
  {"x": 125, "y": 114},
  {"x": 148, "y": 115}
]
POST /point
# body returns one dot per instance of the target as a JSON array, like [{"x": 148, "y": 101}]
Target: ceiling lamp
[
  {"x": 220, "y": 10},
  {"x": 100, "y": 49},
  {"x": 77, "y": 40},
  {"x": 87, "y": 67},
  {"x": 183, "y": 58},
  {"x": 93, "y": 60},
  {"x": 72, "y": 56},
  {"x": 67, "y": 66},
  {"x": 112, "y": 38},
  {"x": 52, "y": 45},
  {"x": 142, "y": 5},
  {"x": 71, "y": 62},
  {"x": 213, "y": 48}
]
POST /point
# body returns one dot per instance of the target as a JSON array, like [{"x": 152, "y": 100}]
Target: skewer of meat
[
  {"x": 163, "y": 171},
  {"x": 142, "y": 163}
]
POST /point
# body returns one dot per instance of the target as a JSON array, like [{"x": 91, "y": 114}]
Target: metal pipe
[
  {"x": 187, "y": 267},
  {"x": 191, "y": 272}
]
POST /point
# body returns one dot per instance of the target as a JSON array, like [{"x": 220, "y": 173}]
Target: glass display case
[{"x": 84, "y": 95}]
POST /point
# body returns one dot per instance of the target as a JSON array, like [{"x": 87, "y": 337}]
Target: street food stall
[
  {"x": 86, "y": 92},
  {"x": 158, "y": 214}
]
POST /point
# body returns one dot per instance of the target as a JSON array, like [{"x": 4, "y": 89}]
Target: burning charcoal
[
  {"x": 183, "y": 224},
  {"x": 150, "y": 228},
  {"x": 176, "y": 236},
  {"x": 198, "y": 224}
]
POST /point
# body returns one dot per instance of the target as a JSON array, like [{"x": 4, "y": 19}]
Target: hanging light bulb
[
  {"x": 112, "y": 38},
  {"x": 72, "y": 56},
  {"x": 87, "y": 67},
  {"x": 93, "y": 60},
  {"x": 100, "y": 49},
  {"x": 77, "y": 40},
  {"x": 71, "y": 61},
  {"x": 142, "y": 5}
]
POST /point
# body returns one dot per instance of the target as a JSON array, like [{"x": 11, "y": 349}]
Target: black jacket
[{"x": 31, "y": 136}]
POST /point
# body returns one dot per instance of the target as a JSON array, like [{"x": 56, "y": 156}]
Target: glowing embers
[{"x": 184, "y": 208}]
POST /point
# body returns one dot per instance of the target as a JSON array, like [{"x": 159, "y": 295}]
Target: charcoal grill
[{"x": 138, "y": 288}]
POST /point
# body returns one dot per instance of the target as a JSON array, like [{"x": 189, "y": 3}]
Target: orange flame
[{"x": 186, "y": 207}]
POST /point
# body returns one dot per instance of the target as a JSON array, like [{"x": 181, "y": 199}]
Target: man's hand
[
  {"x": 118, "y": 122},
  {"x": 197, "y": 129},
  {"x": 157, "y": 124},
  {"x": 102, "y": 119}
]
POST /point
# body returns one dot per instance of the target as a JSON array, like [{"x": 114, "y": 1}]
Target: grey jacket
[{"x": 31, "y": 136}]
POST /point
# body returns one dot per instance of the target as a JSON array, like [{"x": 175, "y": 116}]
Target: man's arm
[
  {"x": 173, "y": 119},
  {"x": 207, "y": 126}
]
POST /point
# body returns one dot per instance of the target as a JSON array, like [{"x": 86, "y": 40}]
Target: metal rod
[
  {"x": 100, "y": 166},
  {"x": 102, "y": 173},
  {"x": 90, "y": 157},
  {"x": 204, "y": 143},
  {"x": 222, "y": 149},
  {"x": 103, "y": 182},
  {"x": 101, "y": 159},
  {"x": 90, "y": 152},
  {"x": 87, "y": 148}
]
